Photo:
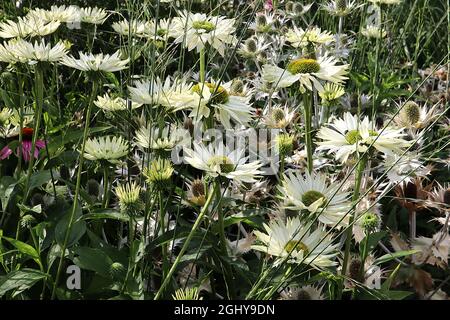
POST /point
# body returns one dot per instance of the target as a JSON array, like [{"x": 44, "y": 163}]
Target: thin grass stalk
[
  {"x": 39, "y": 87},
  {"x": 307, "y": 106},
  {"x": 186, "y": 244},
  {"x": 78, "y": 184}
]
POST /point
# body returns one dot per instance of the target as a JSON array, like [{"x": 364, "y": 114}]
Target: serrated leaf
[
  {"x": 25, "y": 249},
  {"x": 94, "y": 260}
]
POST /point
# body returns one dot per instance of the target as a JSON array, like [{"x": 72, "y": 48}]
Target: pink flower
[
  {"x": 268, "y": 5},
  {"x": 25, "y": 147},
  {"x": 5, "y": 153}
]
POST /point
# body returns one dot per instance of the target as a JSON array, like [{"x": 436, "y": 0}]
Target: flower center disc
[
  {"x": 411, "y": 112},
  {"x": 224, "y": 163},
  {"x": 203, "y": 25},
  {"x": 303, "y": 66},
  {"x": 297, "y": 246},
  {"x": 354, "y": 136},
  {"x": 309, "y": 197},
  {"x": 219, "y": 94}
]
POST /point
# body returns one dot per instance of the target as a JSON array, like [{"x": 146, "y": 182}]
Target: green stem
[
  {"x": 39, "y": 87},
  {"x": 375, "y": 91},
  {"x": 77, "y": 186},
  {"x": 162, "y": 216},
  {"x": 348, "y": 240},
  {"x": 202, "y": 65},
  {"x": 186, "y": 244},
  {"x": 307, "y": 105},
  {"x": 223, "y": 243},
  {"x": 105, "y": 199}
]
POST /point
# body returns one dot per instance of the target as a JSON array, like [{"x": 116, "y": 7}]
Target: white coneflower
[
  {"x": 106, "y": 148},
  {"x": 349, "y": 135},
  {"x": 161, "y": 29},
  {"x": 279, "y": 117},
  {"x": 134, "y": 28},
  {"x": 11, "y": 125},
  {"x": 196, "y": 193},
  {"x": 302, "y": 293},
  {"x": 173, "y": 94},
  {"x": 30, "y": 25},
  {"x": 412, "y": 116},
  {"x": 217, "y": 160},
  {"x": 340, "y": 8},
  {"x": 195, "y": 30},
  {"x": 64, "y": 14},
  {"x": 129, "y": 197},
  {"x": 93, "y": 15},
  {"x": 7, "y": 54},
  {"x": 227, "y": 102},
  {"x": 300, "y": 38},
  {"x": 157, "y": 139},
  {"x": 97, "y": 62},
  {"x": 312, "y": 195},
  {"x": 38, "y": 52},
  {"x": 297, "y": 241},
  {"x": 187, "y": 294},
  {"x": 331, "y": 93},
  {"x": 110, "y": 104},
  {"x": 159, "y": 172},
  {"x": 307, "y": 72},
  {"x": 373, "y": 32}
]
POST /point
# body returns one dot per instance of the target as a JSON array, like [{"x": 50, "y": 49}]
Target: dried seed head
[{"x": 411, "y": 112}]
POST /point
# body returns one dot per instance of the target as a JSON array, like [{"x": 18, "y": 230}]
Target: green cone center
[
  {"x": 203, "y": 25},
  {"x": 309, "y": 197},
  {"x": 303, "y": 66},
  {"x": 219, "y": 94},
  {"x": 224, "y": 163},
  {"x": 296, "y": 245}
]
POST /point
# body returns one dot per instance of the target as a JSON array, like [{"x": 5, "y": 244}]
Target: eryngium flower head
[
  {"x": 296, "y": 242},
  {"x": 97, "y": 62},
  {"x": 106, "y": 148}
]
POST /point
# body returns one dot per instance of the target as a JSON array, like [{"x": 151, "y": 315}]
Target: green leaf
[
  {"x": 77, "y": 231},
  {"x": 106, "y": 214},
  {"x": 94, "y": 260},
  {"x": 39, "y": 178},
  {"x": 397, "y": 295},
  {"x": 70, "y": 136},
  {"x": 392, "y": 256},
  {"x": 7, "y": 185},
  {"x": 20, "y": 280},
  {"x": 373, "y": 240},
  {"x": 25, "y": 249}
]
